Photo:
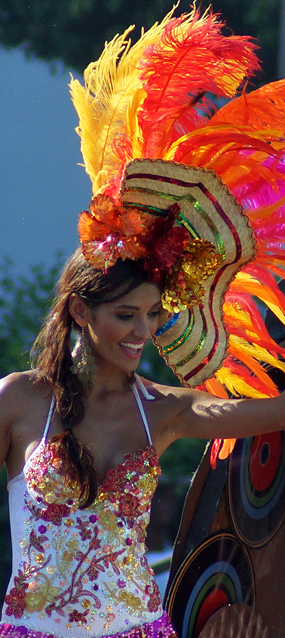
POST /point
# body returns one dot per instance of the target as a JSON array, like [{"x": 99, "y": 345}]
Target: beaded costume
[{"x": 83, "y": 572}]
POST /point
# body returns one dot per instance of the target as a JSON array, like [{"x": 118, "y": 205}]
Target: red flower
[
  {"x": 53, "y": 513},
  {"x": 95, "y": 543},
  {"x": 93, "y": 571},
  {"x": 153, "y": 459},
  {"x": 128, "y": 505},
  {"x": 77, "y": 616},
  {"x": 115, "y": 479},
  {"x": 15, "y": 601},
  {"x": 85, "y": 532},
  {"x": 154, "y": 600},
  {"x": 141, "y": 532}
]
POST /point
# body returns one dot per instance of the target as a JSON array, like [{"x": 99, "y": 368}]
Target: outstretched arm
[{"x": 206, "y": 417}]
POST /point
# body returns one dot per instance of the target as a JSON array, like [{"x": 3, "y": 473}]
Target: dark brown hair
[{"x": 51, "y": 352}]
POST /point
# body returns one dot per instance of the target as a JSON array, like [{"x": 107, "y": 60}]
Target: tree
[
  {"x": 24, "y": 302},
  {"x": 74, "y": 31}
]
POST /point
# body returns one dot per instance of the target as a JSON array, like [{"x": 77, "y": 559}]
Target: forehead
[{"x": 145, "y": 294}]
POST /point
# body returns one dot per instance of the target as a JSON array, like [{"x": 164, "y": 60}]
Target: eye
[
  {"x": 124, "y": 317},
  {"x": 154, "y": 314}
]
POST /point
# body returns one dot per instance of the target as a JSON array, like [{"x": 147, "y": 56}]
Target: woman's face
[{"x": 118, "y": 330}]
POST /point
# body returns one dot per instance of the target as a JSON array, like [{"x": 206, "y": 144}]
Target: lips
[{"x": 132, "y": 350}]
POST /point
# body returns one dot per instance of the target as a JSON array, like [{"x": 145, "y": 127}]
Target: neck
[{"x": 108, "y": 380}]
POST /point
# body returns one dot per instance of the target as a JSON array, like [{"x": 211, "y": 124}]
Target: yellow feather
[
  {"x": 107, "y": 103},
  {"x": 253, "y": 350},
  {"x": 238, "y": 386},
  {"x": 132, "y": 122},
  {"x": 247, "y": 283},
  {"x": 227, "y": 448},
  {"x": 234, "y": 315}
]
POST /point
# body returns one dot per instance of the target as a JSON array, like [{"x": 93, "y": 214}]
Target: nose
[{"x": 142, "y": 328}]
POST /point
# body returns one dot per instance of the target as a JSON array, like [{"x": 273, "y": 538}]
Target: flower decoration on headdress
[
  {"x": 108, "y": 232},
  {"x": 184, "y": 285},
  {"x": 166, "y": 244},
  {"x": 179, "y": 264}
]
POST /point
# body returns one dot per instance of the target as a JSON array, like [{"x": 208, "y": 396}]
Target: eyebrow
[{"x": 129, "y": 307}]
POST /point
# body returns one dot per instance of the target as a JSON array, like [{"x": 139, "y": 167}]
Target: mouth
[{"x": 132, "y": 350}]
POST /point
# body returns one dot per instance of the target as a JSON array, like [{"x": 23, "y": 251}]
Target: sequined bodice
[{"x": 82, "y": 571}]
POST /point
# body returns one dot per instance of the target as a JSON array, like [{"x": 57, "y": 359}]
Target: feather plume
[
  {"x": 251, "y": 354},
  {"x": 213, "y": 386},
  {"x": 106, "y": 103},
  {"x": 260, "y": 110},
  {"x": 257, "y": 289},
  {"x": 152, "y": 99},
  {"x": 138, "y": 99},
  {"x": 240, "y": 382},
  {"x": 191, "y": 58},
  {"x": 243, "y": 324},
  {"x": 227, "y": 448}
]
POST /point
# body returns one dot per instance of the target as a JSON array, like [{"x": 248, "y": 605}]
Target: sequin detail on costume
[
  {"x": 167, "y": 325},
  {"x": 160, "y": 628},
  {"x": 182, "y": 339},
  {"x": 178, "y": 198},
  {"x": 86, "y": 568}
]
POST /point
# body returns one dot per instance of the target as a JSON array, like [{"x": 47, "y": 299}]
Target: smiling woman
[
  {"x": 166, "y": 253},
  {"x": 118, "y": 330}
]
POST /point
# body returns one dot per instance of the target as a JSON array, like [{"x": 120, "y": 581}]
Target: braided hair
[{"x": 51, "y": 354}]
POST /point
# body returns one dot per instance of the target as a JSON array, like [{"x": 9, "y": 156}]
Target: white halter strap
[
  {"x": 140, "y": 405},
  {"x": 143, "y": 389},
  {"x": 144, "y": 392},
  {"x": 49, "y": 417}
]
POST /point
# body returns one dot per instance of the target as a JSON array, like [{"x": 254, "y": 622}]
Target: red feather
[{"x": 191, "y": 58}]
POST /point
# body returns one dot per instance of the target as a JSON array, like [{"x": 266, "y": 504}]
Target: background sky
[{"x": 42, "y": 188}]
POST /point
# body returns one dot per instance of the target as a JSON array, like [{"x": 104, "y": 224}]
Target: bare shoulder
[
  {"x": 172, "y": 393},
  {"x": 23, "y": 405},
  {"x": 170, "y": 401},
  {"x": 15, "y": 390},
  {"x": 20, "y": 396}
]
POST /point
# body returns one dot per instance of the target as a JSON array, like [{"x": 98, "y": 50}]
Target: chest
[{"x": 50, "y": 478}]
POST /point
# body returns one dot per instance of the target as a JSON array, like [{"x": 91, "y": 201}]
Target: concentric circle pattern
[
  {"x": 217, "y": 574},
  {"x": 256, "y": 487}
]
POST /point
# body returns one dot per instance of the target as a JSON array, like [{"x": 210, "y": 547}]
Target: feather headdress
[{"x": 157, "y": 100}]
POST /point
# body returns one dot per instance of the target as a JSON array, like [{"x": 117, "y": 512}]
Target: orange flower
[{"x": 108, "y": 232}]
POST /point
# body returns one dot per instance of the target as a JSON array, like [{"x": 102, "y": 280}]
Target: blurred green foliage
[
  {"x": 74, "y": 31},
  {"x": 24, "y": 302}
]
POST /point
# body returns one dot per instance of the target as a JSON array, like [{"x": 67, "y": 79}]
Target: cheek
[{"x": 107, "y": 335}]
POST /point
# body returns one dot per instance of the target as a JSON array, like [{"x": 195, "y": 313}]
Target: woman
[
  {"x": 80, "y": 506},
  {"x": 161, "y": 243}
]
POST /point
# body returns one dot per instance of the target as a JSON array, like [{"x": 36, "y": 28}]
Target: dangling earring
[{"x": 84, "y": 365}]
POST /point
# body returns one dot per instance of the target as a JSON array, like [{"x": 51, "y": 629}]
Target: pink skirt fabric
[{"x": 161, "y": 628}]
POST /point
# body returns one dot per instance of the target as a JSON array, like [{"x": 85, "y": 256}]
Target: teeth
[{"x": 136, "y": 346}]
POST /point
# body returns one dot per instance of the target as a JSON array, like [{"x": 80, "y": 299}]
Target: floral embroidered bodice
[{"x": 81, "y": 572}]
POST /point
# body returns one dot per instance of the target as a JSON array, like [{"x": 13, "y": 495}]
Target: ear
[{"x": 78, "y": 310}]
